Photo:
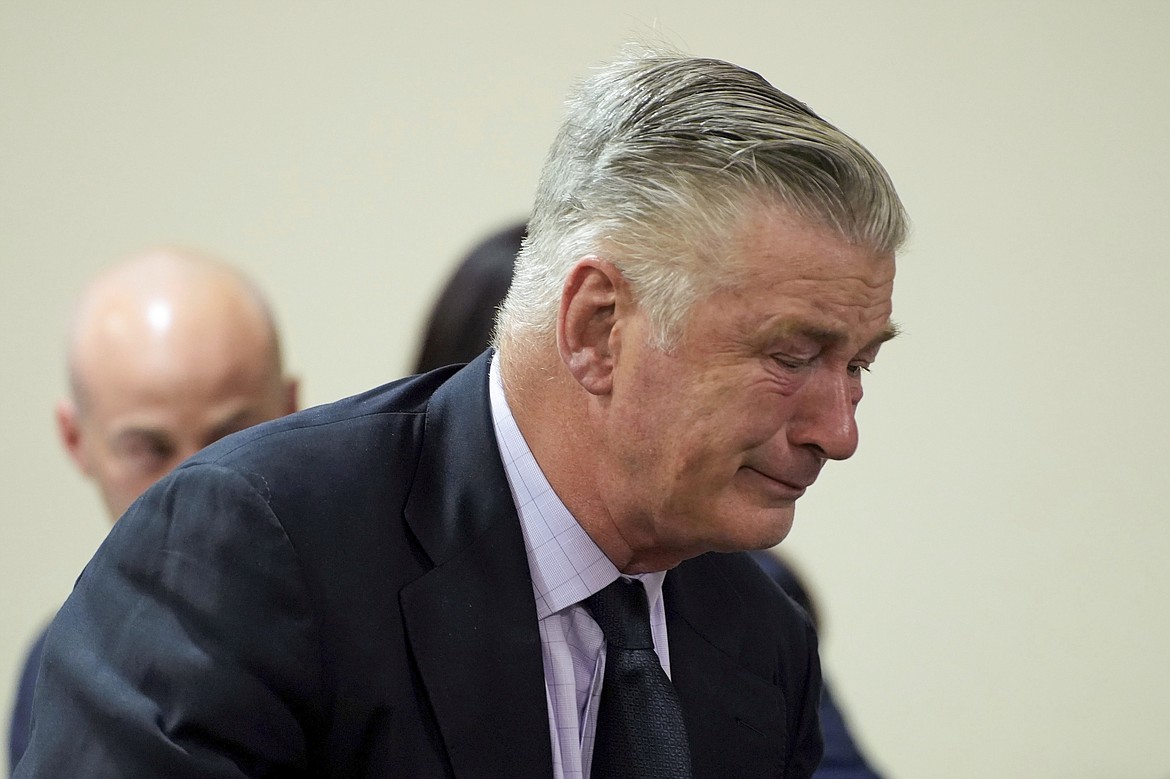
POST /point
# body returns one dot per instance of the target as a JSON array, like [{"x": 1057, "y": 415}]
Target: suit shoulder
[
  {"x": 755, "y": 591},
  {"x": 348, "y": 427}
]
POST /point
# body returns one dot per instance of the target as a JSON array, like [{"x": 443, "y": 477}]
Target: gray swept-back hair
[{"x": 659, "y": 158}]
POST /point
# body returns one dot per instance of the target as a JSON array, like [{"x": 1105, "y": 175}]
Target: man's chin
[
  {"x": 780, "y": 532},
  {"x": 764, "y": 532}
]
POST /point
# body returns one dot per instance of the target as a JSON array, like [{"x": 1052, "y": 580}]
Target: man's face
[
  {"x": 719, "y": 437},
  {"x": 145, "y": 413}
]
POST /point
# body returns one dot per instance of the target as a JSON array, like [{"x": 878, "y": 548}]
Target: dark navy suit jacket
[
  {"x": 843, "y": 758},
  {"x": 345, "y": 593},
  {"x": 22, "y": 710}
]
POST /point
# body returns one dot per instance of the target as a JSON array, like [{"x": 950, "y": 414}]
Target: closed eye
[
  {"x": 147, "y": 450},
  {"x": 789, "y": 362},
  {"x": 793, "y": 362}
]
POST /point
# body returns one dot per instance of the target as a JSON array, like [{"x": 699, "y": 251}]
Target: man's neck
[{"x": 552, "y": 413}]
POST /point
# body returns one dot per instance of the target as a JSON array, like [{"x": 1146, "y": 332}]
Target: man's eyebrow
[
  {"x": 231, "y": 424},
  {"x": 796, "y": 328},
  {"x": 143, "y": 434},
  {"x": 828, "y": 336},
  {"x": 888, "y": 333}
]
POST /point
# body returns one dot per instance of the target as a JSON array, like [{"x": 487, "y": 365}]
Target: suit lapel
[
  {"x": 471, "y": 621},
  {"x": 735, "y": 717}
]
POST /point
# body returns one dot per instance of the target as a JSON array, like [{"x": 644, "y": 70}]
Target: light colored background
[{"x": 993, "y": 565}]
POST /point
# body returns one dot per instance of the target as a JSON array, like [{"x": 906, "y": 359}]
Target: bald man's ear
[
  {"x": 594, "y": 300},
  {"x": 72, "y": 438},
  {"x": 292, "y": 389}
]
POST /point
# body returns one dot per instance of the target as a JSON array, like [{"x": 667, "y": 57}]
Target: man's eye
[
  {"x": 145, "y": 453},
  {"x": 855, "y": 368},
  {"x": 789, "y": 362}
]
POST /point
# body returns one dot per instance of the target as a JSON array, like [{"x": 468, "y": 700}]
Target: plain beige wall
[{"x": 993, "y": 564}]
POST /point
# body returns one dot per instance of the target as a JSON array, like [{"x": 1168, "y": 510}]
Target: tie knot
[{"x": 623, "y": 614}]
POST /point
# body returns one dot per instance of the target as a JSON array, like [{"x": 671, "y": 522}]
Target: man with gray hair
[{"x": 528, "y": 566}]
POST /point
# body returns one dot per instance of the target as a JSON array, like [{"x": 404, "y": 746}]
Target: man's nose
[{"x": 825, "y": 418}]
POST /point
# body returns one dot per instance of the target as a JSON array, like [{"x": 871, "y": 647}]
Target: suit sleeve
[
  {"x": 187, "y": 648},
  {"x": 22, "y": 709}
]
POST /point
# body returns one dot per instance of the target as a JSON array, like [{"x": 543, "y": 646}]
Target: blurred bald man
[{"x": 168, "y": 352}]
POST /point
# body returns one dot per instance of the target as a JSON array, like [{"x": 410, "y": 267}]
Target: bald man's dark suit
[{"x": 345, "y": 593}]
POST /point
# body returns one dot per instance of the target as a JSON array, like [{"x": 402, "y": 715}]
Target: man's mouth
[{"x": 790, "y": 487}]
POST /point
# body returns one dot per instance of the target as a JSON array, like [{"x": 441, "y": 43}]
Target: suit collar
[
  {"x": 471, "y": 621},
  {"x": 459, "y": 488}
]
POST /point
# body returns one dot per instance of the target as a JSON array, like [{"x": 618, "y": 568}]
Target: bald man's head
[{"x": 168, "y": 351}]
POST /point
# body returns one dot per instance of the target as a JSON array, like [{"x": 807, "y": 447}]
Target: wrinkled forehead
[
  {"x": 771, "y": 245},
  {"x": 779, "y": 276},
  {"x": 760, "y": 232}
]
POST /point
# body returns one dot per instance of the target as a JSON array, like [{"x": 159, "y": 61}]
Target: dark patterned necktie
[{"x": 640, "y": 729}]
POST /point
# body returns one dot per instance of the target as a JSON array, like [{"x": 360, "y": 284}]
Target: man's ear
[
  {"x": 292, "y": 388},
  {"x": 594, "y": 299},
  {"x": 69, "y": 430}
]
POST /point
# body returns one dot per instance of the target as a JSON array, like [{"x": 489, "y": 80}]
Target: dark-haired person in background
[
  {"x": 459, "y": 327},
  {"x": 460, "y": 324}
]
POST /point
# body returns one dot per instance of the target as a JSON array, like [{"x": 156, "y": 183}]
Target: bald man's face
[
  {"x": 157, "y": 380},
  {"x": 133, "y": 430}
]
